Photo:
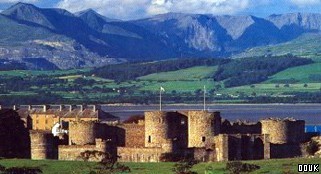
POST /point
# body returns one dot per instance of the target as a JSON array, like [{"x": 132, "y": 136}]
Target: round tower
[
  {"x": 202, "y": 126},
  {"x": 82, "y": 132},
  {"x": 283, "y": 131},
  {"x": 41, "y": 145},
  {"x": 156, "y": 128}
]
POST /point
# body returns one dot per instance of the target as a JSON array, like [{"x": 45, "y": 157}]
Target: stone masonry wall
[
  {"x": 42, "y": 145},
  {"x": 82, "y": 133},
  {"x": 202, "y": 126},
  {"x": 156, "y": 128},
  {"x": 72, "y": 152},
  {"x": 283, "y": 131},
  {"x": 221, "y": 147},
  {"x": 139, "y": 154},
  {"x": 134, "y": 135}
]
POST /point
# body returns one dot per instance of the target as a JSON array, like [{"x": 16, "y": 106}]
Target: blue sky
[{"x": 133, "y": 9}]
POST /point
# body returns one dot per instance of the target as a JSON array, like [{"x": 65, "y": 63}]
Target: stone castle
[{"x": 203, "y": 135}]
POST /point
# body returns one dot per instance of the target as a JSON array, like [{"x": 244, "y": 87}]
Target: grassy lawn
[
  {"x": 68, "y": 167},
  {"x": 189, "y": 74}
]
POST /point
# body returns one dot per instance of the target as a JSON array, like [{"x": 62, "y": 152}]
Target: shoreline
[{"x": 218, "y": 104}]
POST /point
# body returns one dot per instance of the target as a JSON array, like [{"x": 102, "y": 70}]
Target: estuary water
[{"x": 311, "y": 113}]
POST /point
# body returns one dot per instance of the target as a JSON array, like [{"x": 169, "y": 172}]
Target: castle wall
[
  {"x": 204, "y": 155},
  {"x": 75, "y": 118},
  {"x": 72, "y": 152},
  {"x": 221, "y": 147},
  {"x": 156, "y": 128},
  {"x": 42, "y": 145},
  {"x": 286, "y": 150},
  {"x": 241, "y": 147},
  {"x": 197, "y": 133},
  {"x": 243, "y": 128},
  {"x": 202, "y": 126},
  {"x": 43, "y": 121},
  {"x": 284, "y": 131},
  {"x": 114, "y": 134},
  {"x": 134, "y": 135},
  {"x": 82, "y": 133},
  {"x": 139, "y": 154},
  {"x": 178, "y": 128}
]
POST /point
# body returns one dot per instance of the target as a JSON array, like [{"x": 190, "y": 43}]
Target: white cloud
[
  {"x": 14, "y": 1},
  {"x": 306, "y": 2},
  {"x": 198, "y": 6},
  {"x": 122, "y": 9},
  {"x": 130, "y": 9}
]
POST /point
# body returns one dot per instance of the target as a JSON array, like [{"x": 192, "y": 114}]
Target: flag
[{"x": 162, "y": 89}]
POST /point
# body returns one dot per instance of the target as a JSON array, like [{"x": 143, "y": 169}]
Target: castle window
[
  {"x": 149, "y": 139},
  {"x": 203, "y": 139},
  {"x": 182, "y": 122}
]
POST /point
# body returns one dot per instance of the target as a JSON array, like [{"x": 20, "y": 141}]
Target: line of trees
[{"x": 130, "y": 71}]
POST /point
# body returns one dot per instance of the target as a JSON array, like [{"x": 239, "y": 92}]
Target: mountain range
[{"x": 88, "y": 39}]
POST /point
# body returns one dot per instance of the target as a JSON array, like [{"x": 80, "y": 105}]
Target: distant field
[
  {"x": 300, "y": 73},
  {"x": 297, "y": 77},
  {"x": 21, "y": 73},
  {"x": 311, "y": 48},
  {"x": 189, "y": 74},
  {"x": 67, "y": 167},
  {"x": 179, "y": 86},
  {"x": 272, "y": 89}
]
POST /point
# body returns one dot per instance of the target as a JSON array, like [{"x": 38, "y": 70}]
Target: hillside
[
  {"x": 188, "y": 74},
  {"x": 88, "y": 39},
  {"x": 251, "y": 80},
  {"x": 306, "y": 45},
  {"x": 301, "y": 74},
  {"x": 69, "y": 41}
]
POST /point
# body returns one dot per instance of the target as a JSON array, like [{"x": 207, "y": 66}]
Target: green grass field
[
  {"x": 181, "y": 81},
  {"x": 21, "y": 73},
  {"x": 72, "y": 167},
  {"x": 189, "y": 74},
  {"x": 179, "y": 86},
  {"x": 264, "y": 88},
  {"x": 300, "y": 73}
]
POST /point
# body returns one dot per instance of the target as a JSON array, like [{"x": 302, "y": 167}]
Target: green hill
[
  {"x": 307, "y": 45},
  {"x": 188, "y": 74},
  {"x": 300, "y": 74},
  {"x": 183, "y": 81}
]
